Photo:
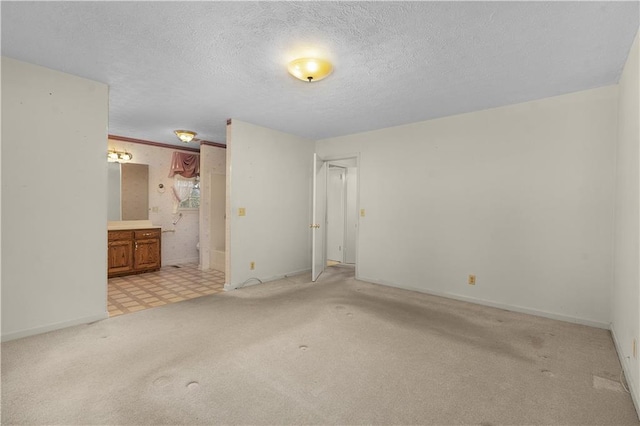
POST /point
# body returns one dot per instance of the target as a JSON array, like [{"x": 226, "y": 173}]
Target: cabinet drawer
[
  {"x": 120, "y": 235},
  {"x": 147, "y": 233}
]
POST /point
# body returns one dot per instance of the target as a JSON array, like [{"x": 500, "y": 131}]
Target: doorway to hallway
[
  {"x": 341, "y": 213},
  {"x": 335, "y": 213}
]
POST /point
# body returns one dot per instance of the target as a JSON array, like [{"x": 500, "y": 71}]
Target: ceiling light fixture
[
  {"x": 310, "y": 69},
  {"x": 185, "y": 136}
]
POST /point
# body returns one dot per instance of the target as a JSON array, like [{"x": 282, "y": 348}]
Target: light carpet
[{"x": 339, "y": 351}]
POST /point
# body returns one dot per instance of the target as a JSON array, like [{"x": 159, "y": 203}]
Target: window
[{"x": 187, "y": 191}]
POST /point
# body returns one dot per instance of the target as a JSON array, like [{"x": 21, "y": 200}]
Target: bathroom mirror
[{"x": 128, "y": 189}]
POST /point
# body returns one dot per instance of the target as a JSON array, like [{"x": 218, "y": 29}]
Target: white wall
[
  {"x": 179, "y": 246},
  {"x": 352, "y": 214},
  {"x": 212, "y": 202},
  {"x": 269, "y": 174},
  {"x": 625, "y": 324},
  {"x": 521, "y": 196},
  {"x": 54, "y": 204},
  {"x": 114, "y": 202}
]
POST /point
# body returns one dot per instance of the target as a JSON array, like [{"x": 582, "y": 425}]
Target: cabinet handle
[{"x": 136, "y": 245}]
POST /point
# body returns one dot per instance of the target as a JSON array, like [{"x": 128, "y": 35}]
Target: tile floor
[{"x": 168, "y": 285}]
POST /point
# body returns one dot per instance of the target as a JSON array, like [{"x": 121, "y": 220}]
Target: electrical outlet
[
  {"x": 472, "y": 280},
  {"x": 635, "y": 348},
  {"x": 252, "y": 265},
  {"x": 242, "y": 211},
  {"x": 362, "y": 212}
]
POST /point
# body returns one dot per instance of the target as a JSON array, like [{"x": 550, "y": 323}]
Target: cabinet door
[
  {"x": 120, "y": 256},
  {"x": 147, "y": 254}
]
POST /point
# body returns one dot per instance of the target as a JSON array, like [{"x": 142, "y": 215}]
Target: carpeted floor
[{"x": 339, "y": 351}]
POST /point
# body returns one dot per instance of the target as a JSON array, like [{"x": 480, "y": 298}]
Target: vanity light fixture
[
  {"x": 310, "y": 69},
  {"x": 185, "y": 136},
  {"x": 114, "y": 155}
]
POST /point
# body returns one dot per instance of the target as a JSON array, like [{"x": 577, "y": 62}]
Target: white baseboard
[
  {"x": 504, "y": 306},
  {"x": 51, "y": 327},
  {"x": 235, "y": 286},
  {"x": 633, "y": 387}
]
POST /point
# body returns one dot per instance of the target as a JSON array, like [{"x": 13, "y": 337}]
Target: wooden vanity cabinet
[
  {"x": 146, "y": 249},
  {"x": 120, "y": 253},
  {"x": 133, "y": 251}
]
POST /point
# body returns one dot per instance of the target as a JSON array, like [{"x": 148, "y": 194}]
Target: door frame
[{"x": 318, "y": 217}]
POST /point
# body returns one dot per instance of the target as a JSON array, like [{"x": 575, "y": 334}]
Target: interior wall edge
[
  {"x": 268, "y": 206},
  {"x": 52, "y": 327},
  {"x": 625, "y": 368},
  {"x": 55, "y": 271},
  {"x": 484, "y": 302}
]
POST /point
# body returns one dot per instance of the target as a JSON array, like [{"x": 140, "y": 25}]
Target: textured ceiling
[{"x": 192, "y": 65}]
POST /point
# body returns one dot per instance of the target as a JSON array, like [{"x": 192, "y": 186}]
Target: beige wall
[
  {"x": 521, "y": 196},
  {"x": 625, "y": 323},
  {"x": 268, "y": 174},
  {"x": 54, "y": 203}
]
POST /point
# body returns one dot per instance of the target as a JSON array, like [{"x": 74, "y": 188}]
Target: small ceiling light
[
  {"x": 185, "y": 136},
  {"x": 125, "y": 156},
  {"x": 114, "y": 155},
  {"x": 310, "y": 69}
]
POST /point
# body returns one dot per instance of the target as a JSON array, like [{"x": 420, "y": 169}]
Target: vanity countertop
[{"x": 119, "y": 225}]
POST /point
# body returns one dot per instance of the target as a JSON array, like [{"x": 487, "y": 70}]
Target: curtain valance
[{"x": 186, "y": 165}]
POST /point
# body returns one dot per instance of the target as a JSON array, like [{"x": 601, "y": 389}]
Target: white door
[{"x": 318, "y": 220}]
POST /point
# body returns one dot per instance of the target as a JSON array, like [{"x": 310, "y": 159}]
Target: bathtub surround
[
  {"x": 212, "y": 206},
  {"x": 178, "y": 246},
  {"x": 339, "y": 351}
]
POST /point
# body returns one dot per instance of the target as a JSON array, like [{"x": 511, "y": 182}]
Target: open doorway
[
  {"x": 342, "y": 214},
  {"x": 335, "y": 214},
  {"x": 184, "y": 238}
]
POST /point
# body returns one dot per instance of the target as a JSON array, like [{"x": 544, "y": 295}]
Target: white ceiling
[{"x": 192, "y": 65}]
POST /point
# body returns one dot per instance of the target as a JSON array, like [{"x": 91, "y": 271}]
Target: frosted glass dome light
[
  {"x": 310, "y": 69},
  {"x": 185, "y": 136}
]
